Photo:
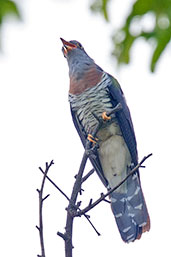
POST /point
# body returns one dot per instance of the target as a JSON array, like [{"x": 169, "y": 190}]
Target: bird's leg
[
  {"x": 105, "y": 117},
  {"x": 102, "y": 122},
  {"x": 108, "y": 116},
  {"x": 92, "y": 145},
  {"x": 117, "y": 108}
]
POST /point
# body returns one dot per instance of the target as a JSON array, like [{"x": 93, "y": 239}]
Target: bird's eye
[{"x": 79, "y": 45}]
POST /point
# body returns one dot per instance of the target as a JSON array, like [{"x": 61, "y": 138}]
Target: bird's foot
[
  {"x": 92, "y": 139},
  {"x": 105, "y": 117},
  {"x": 91, "y": 145}
]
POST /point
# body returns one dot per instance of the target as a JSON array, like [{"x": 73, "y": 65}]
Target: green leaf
[
  {"x": 122, "y": 50},
  {"x": 8, "y": 8},
  {"x": 161, "y": 33},
  {"x": 163, "y": 37},
  {"x": 101, "y": 7}
]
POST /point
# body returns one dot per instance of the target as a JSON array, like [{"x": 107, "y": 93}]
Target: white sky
[{"x": 36, "y": 127}]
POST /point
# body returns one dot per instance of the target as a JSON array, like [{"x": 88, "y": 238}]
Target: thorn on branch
[
  {"x": 78, "y": 204},
  {"x": 37, "y": 227},
  {"x": 81, "y": 190},
  {"x": 90, "y": 202}
]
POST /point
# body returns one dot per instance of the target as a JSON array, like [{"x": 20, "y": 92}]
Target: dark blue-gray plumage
[{"x": 92, "y": 90}]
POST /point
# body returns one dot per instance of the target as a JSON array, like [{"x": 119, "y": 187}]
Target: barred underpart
[{"x": 93, "y": 100}]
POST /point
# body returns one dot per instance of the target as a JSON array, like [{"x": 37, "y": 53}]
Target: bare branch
[
  {"x": 51, "y": 181},
  {"x": 103, "y": 196},
  {"x": 88, "y": 218},
  {"x": 41, "y": 200},
  {"x": 45, "y": 197},
  {"x": 76, "y": 206},
  {"x": 62, "y": 235},
  {"x": 87, "y": 175},
  {"x": 71, "y": 209}
]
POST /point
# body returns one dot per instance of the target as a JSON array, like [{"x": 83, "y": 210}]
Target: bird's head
[
  {"x": 78, "y": 60},
  {"x": 71, "y": 47},
  {"x": 83, "y": 71}
]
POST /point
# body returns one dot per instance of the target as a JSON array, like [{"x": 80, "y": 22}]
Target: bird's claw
[
  {"x": 92, "y": 139},
  {"x": 91, "y": 149},
  {"x": 105, "y": 117}
]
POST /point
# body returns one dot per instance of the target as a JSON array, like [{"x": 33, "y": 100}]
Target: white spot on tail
[
  {"x": 134, "y": 176},
  {"x": 133, "y": 221},
  {"x": 131, "y": 215},
  {"x": 137, "y": 190},
  {"x": 143, "y": 224},
  {"x": 122, "y": 200},
  {"x": 126, "y": 229},
  {"x": 135, "y": 193},
  {"x": 118, "y": 215},
  {"x": 139, "y": 206},
  {"x": 128, "y": 237}
]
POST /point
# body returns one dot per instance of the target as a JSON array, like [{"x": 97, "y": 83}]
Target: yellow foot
[
  {"x": 92, "y": 139},
  {"x": 105, "y": 117}
]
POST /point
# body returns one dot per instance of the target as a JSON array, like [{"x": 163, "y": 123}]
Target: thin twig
[
  {"x": 87, "y": 175},
  {"x": 51, "y": 181},
  {"x": 41, "y": 200},
  {"x": 71, "y": 202},
  {"x": 103, "y": 196}
]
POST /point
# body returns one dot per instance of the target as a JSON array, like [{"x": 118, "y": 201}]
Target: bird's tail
[{"x": 130, "y": 210}]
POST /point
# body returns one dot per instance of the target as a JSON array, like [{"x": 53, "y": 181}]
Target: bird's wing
[
  {"x": 124, "y": 118},
  {"x": 83, "y": 136},
  {"x": 125, "y": 123}
]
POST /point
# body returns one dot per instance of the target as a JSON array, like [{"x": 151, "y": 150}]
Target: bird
[{"x": 93, "y": 93}]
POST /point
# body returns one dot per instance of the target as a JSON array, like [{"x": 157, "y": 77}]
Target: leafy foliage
[
  {"x": 101, "y": 6},
  {"x": 124, "y": 38},
  {"x": 159, "y": 34},
  {"x": 8, "y": 8}
]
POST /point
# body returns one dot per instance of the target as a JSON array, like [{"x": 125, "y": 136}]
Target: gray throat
[{"x": 79, "y": 64}]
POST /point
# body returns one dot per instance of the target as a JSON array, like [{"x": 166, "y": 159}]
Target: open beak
[{"x": 67, "y": 46}]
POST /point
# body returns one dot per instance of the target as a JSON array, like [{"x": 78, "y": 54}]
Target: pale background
[{"x": 36, "y": 127}]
